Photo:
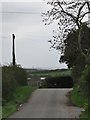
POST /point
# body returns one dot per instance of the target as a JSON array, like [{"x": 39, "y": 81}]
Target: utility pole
[{"x": 13, "y": 52}]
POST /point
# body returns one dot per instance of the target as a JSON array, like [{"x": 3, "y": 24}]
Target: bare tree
[{"x": 70, "y": 15}]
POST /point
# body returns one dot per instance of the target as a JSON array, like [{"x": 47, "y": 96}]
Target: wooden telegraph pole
[{"x": 13, "y": 52}]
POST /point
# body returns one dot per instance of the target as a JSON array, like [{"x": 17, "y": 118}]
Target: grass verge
[
  {"x": 20, "y": 96},
  {"x": 78, "y": 99},
  {"x": 0, "y": 112}
]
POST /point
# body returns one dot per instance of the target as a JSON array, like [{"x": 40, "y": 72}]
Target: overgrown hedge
[
  {"x": 81, "y": 92},
  {"x": 59, "y": 82},
  {"x": 85, "y": 81},
  {"x": 12, "y": 77}
]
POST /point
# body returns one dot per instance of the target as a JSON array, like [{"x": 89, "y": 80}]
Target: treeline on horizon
[{"x": 44, "y": 70}]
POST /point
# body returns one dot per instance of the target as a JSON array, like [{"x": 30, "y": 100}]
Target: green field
[{"x": 45, "y": 73}]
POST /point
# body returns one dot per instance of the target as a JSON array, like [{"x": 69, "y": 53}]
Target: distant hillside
[{"x": 42, "y": 72}]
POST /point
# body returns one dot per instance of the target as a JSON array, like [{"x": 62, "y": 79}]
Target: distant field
[{"x": 52, "y": 73}]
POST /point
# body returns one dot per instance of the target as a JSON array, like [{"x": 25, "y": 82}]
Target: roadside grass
[
  {"x": 0, "y": 112},
  {"x": 20, "y": 95},
  {"x": 8, "y": 109},
  {"x": 79, "y": 99}
]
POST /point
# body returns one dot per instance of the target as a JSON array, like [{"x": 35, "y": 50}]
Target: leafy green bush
[
  {"x": 8, "y": 82},
  {"x": 20, "y": 75},
  {"x": 78, "y": 98},
  {"x": 85, "y": 81},
  {"x": 80, "y": 94},
  {"x": 12, "y": 77}
]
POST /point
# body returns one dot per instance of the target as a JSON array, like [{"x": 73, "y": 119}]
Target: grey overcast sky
[{"x": 23, "y": 18}]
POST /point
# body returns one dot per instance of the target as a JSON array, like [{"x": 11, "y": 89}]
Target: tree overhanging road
[{"x": 48, "y": 103}]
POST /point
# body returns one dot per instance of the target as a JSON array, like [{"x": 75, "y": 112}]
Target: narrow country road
[{"x": 48, "y": 103}]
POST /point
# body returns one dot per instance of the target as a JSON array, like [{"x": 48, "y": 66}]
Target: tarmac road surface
[{"x": 48, "y": 103}]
